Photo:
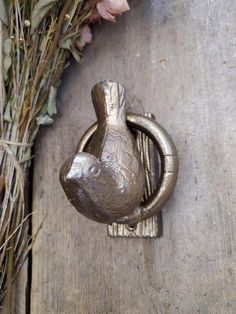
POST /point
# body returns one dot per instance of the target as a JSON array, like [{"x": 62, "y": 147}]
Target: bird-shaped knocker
[
  {"x": 106, "y": 182},
  {"x": 105, "y": 179}
]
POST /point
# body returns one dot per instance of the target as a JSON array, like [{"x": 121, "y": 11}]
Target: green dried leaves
[
  {"x": 68, "y": 44},
  {"x": 7, "y": 44},
  {"x": 3, "y": 12},
  {"x": 40, "y": 10},
  {"x": 52, "y": 102},
  {"x": 50, "y": 109},
  {"x": 44, "y": 120},
  {"x": 7, "y": 113},
  {"x": 26, "y": 155}
]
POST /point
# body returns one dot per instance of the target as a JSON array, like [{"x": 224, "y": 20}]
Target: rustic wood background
[{"x": 177, "y": 60}]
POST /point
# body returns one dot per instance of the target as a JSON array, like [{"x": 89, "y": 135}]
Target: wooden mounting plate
[{"x": 149, "y": 228}]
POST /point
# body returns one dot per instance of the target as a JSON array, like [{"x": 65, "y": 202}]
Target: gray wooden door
[{"x": 177, "y": 60}]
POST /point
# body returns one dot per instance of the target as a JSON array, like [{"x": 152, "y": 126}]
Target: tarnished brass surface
[
  {"x": 105, "y": 181},
  {"x": 169, "y": 171}
]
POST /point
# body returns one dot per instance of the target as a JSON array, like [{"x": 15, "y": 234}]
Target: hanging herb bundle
[{"x": 36, "y": 40}]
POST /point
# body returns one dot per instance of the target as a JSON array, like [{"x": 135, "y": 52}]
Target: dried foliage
[{"x": 36, "y": 39}]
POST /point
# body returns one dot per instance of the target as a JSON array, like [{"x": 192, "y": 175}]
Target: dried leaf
[
  {"x": 44, "y": 120},
  {"x": 26, "y": 156},
  {"x": 6, "y": 57},
  {"x": 51, "y": 105},
  {"x": 3, "y": 12},
  {"x": 68, "y": 45},
  {"x": 40, "y": 10},
  {"x": 6, "y": 66},
  {"x": 76, "y": 54},
  {"x": 7, "y": 46},
  {"x": 7, "y": 113}
]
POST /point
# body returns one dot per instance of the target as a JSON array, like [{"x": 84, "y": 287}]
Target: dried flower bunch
[{"x": 36, "y": 39}]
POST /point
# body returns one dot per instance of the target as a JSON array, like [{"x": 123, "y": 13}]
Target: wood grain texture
[{"x": 177, "y": 60}]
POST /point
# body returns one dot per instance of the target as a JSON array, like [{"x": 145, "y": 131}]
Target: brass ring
[{"x": 169, "y": 162}]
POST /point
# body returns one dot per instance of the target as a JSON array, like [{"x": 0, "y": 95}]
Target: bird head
[
  {"x": 109, "y": 101},
  {"x": 80, "y": 168}
]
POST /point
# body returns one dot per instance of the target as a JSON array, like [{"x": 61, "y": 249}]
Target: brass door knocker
[{"x": 107, "y": 180}]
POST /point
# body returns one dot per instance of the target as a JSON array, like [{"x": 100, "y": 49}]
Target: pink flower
[
  {"x": 85, "y": 37},
  {"x": 95, "y": 17},
  {"x": 108, "y": 9}
]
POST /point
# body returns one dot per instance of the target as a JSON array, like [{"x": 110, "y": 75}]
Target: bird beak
[
  {"x": 73, "y": 173},
  {"x": 70, "y": 170}
]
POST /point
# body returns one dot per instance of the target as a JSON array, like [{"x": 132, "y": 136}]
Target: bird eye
[{"x": 94, "y": 171}]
